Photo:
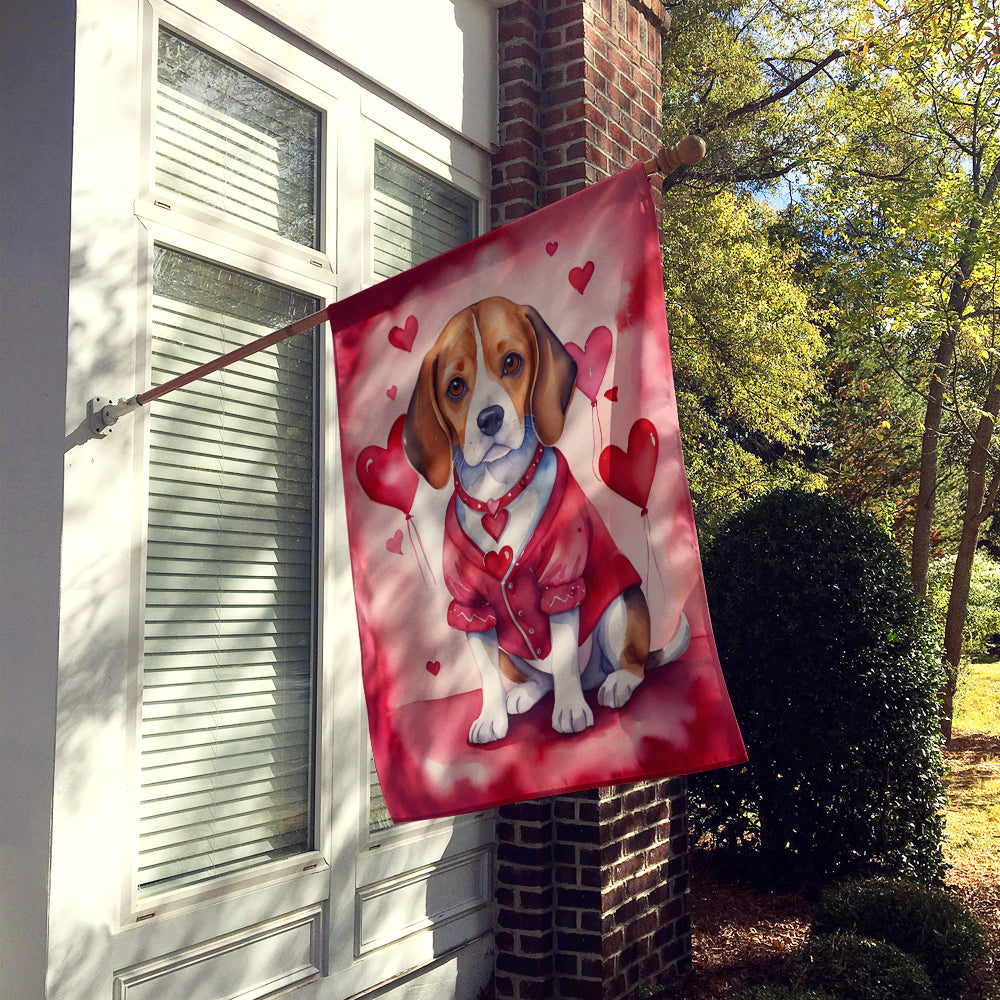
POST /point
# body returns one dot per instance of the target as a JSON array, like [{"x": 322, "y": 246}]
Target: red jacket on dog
[{"x": 570, "y": 561}]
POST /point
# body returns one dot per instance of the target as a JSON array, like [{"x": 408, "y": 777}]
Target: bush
[
  {"x": 925, "y": 922},
  {"x": 982, "y": 620},
  {"x": 856, "y": 968},
  {"x": 833, "y": 673}
]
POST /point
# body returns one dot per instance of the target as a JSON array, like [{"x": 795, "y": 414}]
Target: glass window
[
  {"x": 226, "y": 139},
  {"x": 228, "y": 680},
  {"x": 416, "y": 216}
]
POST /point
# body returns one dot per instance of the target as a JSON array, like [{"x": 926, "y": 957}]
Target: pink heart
[
  {"x": 493, "y": 506},
  {"x": 630, "y": 473},
  {"x": 496, "y": 563},
  {"x": 403, "y": 336},
  {"x": 385, "y": 474},
  {"x": 612, "y": 394},
  {"x": 495, "y": 522},
  {"x": 395, "y": 544},
  {"x": 592, "y": 361},
  {"x": 434, "y": 667},
  {"x": 580, "y": 276},
  {"x": 551, "y": 248},
  {"x": 391, "y": 392}
]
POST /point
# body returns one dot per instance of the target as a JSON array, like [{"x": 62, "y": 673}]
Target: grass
[
  {"x": 978, "y": 697},
  {"x": 972, "y": 848},
  {"x": 973, "y": 782}
]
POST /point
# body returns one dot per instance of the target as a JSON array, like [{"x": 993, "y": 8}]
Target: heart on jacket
[{"x": 497, "y": 563}]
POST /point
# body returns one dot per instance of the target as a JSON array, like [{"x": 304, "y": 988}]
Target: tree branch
[{"x": 754, "y": 106}]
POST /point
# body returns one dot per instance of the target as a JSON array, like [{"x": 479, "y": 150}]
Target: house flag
[{"x": 530, "y": 604}]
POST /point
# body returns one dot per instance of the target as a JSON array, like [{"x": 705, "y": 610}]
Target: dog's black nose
[{"x": 490, "y": 419}]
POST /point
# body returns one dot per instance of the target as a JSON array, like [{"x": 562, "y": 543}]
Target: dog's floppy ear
[
  {"x": 425, "y": 440},
  {"x": 555, "y": 378}
]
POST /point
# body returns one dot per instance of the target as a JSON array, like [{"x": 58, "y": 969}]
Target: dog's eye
[
  {"x": 456, "y": 389},
  {"x": 512, "y": 363}
]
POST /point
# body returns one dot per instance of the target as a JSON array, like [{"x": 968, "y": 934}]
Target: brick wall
[
  {"x": 591, "y": 893},
  {"x": 591, "y": 888},
  {"x": 579, "y": 96}
]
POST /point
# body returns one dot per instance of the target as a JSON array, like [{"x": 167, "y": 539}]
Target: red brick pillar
[
  {"x": 591, "y": 888},
  {"x": 579, "y": 96}
]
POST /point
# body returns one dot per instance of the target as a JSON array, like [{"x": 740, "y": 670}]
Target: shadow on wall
[{"x": 89, "y": 831}]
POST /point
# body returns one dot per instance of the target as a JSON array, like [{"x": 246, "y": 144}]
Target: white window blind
[
  {"x": 230, "y": 141},
  {"x": 228, "y": 659},
  {"x": 416, "y": 216}
]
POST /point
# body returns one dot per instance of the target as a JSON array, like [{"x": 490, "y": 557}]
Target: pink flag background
[{"x": 590, "y": 265}]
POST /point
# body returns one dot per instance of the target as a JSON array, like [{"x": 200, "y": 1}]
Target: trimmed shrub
[
  {"x": 925, "y": 922},
  {"x": 833, "y": 672},
  {"x": 856, "y": 968}
]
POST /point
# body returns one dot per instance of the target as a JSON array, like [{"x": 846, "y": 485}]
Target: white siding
[{"x": 76, "y": 326}]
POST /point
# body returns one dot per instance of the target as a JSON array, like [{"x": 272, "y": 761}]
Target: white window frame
[
  {"x": 387, "y": 858},
  {"x": 195, "y": 244},
  {"x": 177, "y": 223},
  {"x": 349, "y": 871}
]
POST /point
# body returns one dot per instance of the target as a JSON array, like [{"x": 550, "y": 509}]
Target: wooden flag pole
[
  {"x": 103, "y": 413},
  {"x": 260, "y": 344}
]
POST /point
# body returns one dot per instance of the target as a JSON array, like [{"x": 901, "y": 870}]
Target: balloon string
[
  {"x": 411, "y": 528},
  {"x": 597, "y": 438},
  {"x": 651, "y": 550}
]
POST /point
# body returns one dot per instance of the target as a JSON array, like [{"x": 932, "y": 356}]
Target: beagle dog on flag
[{"x": 531, "y": 567}]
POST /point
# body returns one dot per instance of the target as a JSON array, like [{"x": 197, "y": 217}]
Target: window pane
[
  {"x": 416, "y": 216},
  {"x": 228, "y": 655},
  {"x": 228, "y": 140}
]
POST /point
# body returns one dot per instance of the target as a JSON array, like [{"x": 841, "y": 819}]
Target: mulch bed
[{"x": 742, "y": 934}]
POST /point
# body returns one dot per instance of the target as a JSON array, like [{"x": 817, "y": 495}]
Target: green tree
[
  {"x": 747, "y": 76},
  {"x": 880, "y": 123},
  {"x": 746, "y": 347},
  {"x": 747, "y": 357},
  {"x": 911, "y": 187}
]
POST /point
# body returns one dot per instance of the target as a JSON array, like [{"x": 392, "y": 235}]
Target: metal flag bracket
[{"x": 103, "y": 413}]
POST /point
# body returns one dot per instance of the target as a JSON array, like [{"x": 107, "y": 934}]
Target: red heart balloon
[
  {"x": 592, "y": 361},
  {"x": 385, "y": 474},
  {"x": 630, "y": 473}
]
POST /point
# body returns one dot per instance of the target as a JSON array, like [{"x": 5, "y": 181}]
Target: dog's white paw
[
  {"x": 574, "y": 717},
  {"x": 523, "y": 696},
  {"x": 617, "y": 688},
  {"x": 489, "y": 728}
]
